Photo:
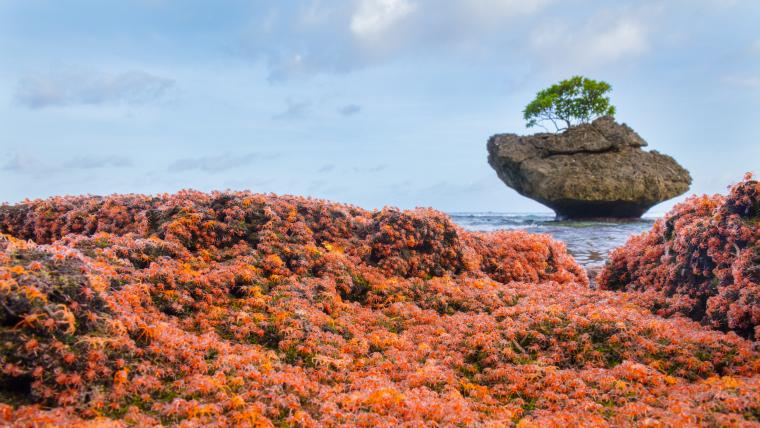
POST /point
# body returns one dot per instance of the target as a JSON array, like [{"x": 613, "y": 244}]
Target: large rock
[{"x": 591, "y": 170}]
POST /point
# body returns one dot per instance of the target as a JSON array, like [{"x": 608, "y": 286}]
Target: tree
[{"x": 573, "y": 101}]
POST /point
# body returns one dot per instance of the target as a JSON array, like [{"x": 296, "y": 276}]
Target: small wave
[
  {"x": 494, "y": 221},
  {"x": 588, "y": 241}
]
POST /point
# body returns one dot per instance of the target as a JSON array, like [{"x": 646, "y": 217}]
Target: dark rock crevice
[{"x": 582, "y": 151}]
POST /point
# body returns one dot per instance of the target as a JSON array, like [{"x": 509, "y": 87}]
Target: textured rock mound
[
  {"x": 590, "y": 170},
  {"x": 702, "y": 260},
  {"x": 237, "y": 309}
]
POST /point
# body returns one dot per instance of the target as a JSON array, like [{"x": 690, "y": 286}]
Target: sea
[{"x": 588, "y": 241}]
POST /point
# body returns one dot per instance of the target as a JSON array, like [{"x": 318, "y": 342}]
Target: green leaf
[{"x": 570, "y": 102}]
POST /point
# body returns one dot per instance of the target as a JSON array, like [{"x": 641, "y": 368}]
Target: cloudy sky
[{"x": 372, "y": 102}]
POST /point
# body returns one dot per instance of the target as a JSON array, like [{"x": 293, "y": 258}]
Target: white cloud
[
  {"x": 598, "y": 41},
  {"x": 92, "y": 162},
  {"x": 371, "y": 169},
  {"x": 350, "y": 109},
  {"x": 216, "y": 163},
  {"x": 329, "y": 37},
  {"x": 22, "y": 163},
  {"x": 326, "y": 168},
  {"x": 374, "y": 17},
  {"x": 746, "y": 82},
  {"x": 91, "y": 88},
  {"x": 624, "y": 38},
  {"x": 754, "y": 47},
  {"x": 494, "y": 11},
  {"x": 294, "y": 110}
]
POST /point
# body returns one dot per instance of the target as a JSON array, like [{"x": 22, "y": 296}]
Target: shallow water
[{"x": 588, "y": 241}]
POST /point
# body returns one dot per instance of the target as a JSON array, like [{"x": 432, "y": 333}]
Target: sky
[{"x": 369, "y": 102}]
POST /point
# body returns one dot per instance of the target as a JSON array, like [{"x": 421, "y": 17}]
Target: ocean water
[{"x": 588, "y": 241}]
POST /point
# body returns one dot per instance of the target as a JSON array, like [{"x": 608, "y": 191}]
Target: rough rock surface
[{"x": 591, "y": 170}]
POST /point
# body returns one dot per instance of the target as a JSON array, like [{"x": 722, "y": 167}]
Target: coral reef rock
[
  {"x": 701, "y": 261},
  {"x": 239, "y": 309},
  {"x": 590, "y": 170}
]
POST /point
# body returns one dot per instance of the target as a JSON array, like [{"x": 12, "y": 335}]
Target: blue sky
[{"x": 371, "y": 102}]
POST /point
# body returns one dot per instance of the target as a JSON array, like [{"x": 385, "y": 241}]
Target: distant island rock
[{"x": 591, "y": 170}]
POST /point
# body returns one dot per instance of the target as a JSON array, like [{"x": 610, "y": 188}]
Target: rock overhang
[{"x": 591, "y": 170}]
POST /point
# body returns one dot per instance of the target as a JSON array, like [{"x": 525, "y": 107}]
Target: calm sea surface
[{"x": 588, "y": 241}]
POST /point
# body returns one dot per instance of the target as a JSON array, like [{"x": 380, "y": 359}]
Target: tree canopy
[{"x": 570, "y": 102}]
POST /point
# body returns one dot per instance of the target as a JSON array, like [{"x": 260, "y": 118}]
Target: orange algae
[
  {"x": 701, "y": 261},
  {"x": 261, "y": 310}
]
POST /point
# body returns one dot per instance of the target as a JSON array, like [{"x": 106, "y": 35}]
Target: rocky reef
[
  {"x": 701, "y": 261},
  {"x": 590, "y": 170},
  {"x": 244, "y": 309}
]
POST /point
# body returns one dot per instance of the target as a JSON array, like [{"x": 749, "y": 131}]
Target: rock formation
[
  {"x": 242, "y": 309},
  {"x": 590, "y": 170},
  {"x": 702, "y": 261}
]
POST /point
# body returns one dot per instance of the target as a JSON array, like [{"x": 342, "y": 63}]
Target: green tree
[{"x": 570, "y": 102}]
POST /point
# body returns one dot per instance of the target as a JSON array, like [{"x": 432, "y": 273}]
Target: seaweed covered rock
[
  {"x": 261, "y": 310},
  {"x": 589, "y": 170},
  {"x": 55, "y": 322},
  {"x": 291, "y": 233},
  {"x": 702, "y": 261}
]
